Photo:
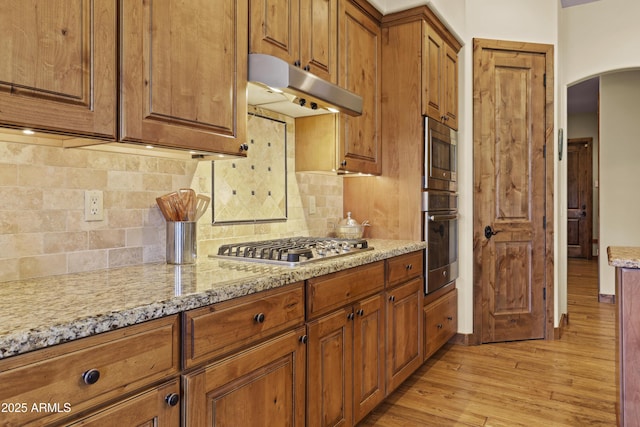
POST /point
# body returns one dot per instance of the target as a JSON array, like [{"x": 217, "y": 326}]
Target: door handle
[{"x": 488, "y": 232}]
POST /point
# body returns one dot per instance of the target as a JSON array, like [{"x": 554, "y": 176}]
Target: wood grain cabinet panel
[
  {"x": 439, "y": 78},
  {"x": 157, "y": 407},
  {"x": 345, "y": 376},
  {"x": 90, "y": 371},
  {"x": 262, "y": 386},
  {"x": 327, "y": 293},
  {"x": 404, "y": 267},
  {"x": 368, "y": 355},
  {"x": 221, "y": 328},
  {"x": 628, "y": 346},
  {"x": 59, "y": 66},
  {"x": 404, "y": 331},
  {"x": 300, "y": 32},
  {"x": 184, "y": 74},
  {"x": 360, "y": 58},
  {"x": 440, "y": 322}
]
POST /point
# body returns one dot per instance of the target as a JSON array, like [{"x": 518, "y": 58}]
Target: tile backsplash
[{"x": 42, "y": 227}]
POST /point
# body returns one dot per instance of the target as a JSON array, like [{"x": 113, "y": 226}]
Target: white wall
[
  {"x": 596, "y": 39},
  {"x": 619, "y": 171}
]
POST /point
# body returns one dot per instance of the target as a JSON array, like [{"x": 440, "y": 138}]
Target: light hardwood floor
[{"x": 566, "y": 382}]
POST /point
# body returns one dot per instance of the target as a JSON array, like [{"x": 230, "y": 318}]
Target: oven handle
[{"x": 442, "y": 217}]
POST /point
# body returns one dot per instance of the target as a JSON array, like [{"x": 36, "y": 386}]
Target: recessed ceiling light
[
  {"x": 28, "y": 132},
  {"x": 149, "y": 147}
]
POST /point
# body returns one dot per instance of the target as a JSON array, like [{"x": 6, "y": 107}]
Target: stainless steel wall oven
[
  {"x": 440, "y": 212},
  {"x": 440, "y": 205},
  {"x": 440, "y": 157}
]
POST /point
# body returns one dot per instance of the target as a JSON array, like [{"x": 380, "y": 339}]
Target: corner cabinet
[
  {"x": 184, "y": 74},
  {"x": 300, "y": 32},
  {"x": 59, "y": 66}
]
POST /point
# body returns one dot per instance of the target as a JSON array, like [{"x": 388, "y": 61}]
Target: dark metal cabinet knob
[
  {"x": 244, "y": 147},
  {"x": 259, "y": 318},
  {"x": 343, "y": 163},
  {"x": 350, "y": 316},
  {"x": 303, "y": 339},
  {"x": 172, "y": 399},
  {"x": 392, "y": 298},
  {"x": 91, "y": 376},
  {"x": 409, "y": 266},
  {"x": 440, "y": 325},
  {"x": 360, "y": 312}
]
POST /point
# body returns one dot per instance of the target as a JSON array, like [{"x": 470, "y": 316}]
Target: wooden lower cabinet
[
  {"x": 261, "y": 386},
  {"x": 404, "y": 331},
  {"x": 158, "y": 407},
  {"x": 345, "y": 364},
  {"x": 440, "y": 322}
]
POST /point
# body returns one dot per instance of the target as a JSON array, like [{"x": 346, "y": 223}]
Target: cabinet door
[
  {"x": 368, "y": 355},
  {"x": 360, "y": 48},
  {"x": 432, "y": 73},
  {"x": 159, "y": 407},
  {"x": 262, "y": 386},
  {"x": 404, "y": 332},
  {"x": 319, "y": 38},
  {"x": 440, "y": 322},
  {"x": 274, "y": 28},
  {"x": 330, "y": 371},
  {"x": 450, "y": 87},
  {"x": 58, "y": 67},
  {"x": 184, "y": 74}
]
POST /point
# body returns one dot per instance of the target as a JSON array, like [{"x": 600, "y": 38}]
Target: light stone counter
[
  {"x": 42, "y": 312},
  {"x": 624, "y": 256}
]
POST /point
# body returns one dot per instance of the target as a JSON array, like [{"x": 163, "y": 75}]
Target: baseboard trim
[
  {"x": 462, "y": 339},
  {"x": 606, "y": 298},
  {"x": 564, "y": 322}
]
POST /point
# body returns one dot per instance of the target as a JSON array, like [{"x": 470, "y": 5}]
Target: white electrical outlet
[{"x": 93, "y": 205}]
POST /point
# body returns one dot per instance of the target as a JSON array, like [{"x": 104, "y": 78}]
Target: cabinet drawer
[
  {"x": 327, "y": 293},
  {"x": 126, "y": 360},
  {"x": 441, "y": 322},
  {"x": 221, "y": 328},
  {"x": 404, "y": 267},
  {"x": 150, "y": 408}
]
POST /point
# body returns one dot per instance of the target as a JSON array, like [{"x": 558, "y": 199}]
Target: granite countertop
[
  {"x": 624, "y": 256},
  {"x": 41, "y": 312}
]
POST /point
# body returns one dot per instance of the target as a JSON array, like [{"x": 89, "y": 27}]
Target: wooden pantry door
[{"x": 513, "y": 191}]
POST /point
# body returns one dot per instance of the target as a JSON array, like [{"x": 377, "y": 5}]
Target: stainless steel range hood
[{"x": 278, "y": 86}]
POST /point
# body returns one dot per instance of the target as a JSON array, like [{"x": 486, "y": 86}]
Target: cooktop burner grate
[{"x": 292, "y": 251}]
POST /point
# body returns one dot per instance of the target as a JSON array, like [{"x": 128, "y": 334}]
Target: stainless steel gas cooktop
[{"x": 292, "y": 251}]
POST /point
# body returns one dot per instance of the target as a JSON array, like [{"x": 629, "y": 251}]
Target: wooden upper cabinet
[
  {"x": 360, "y": 54},
  {"x": 184, "y": 74},
  {"x": 58, "y": 68},
  {"x": 300, "y": 32},
  {"x": 440, "y": 78}
]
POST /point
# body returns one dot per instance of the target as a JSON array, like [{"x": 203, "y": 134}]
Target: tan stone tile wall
[{"x": 42, "y": 227}]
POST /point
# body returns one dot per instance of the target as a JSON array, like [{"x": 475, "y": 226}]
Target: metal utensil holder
[{"x": 182, "y": 242}]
